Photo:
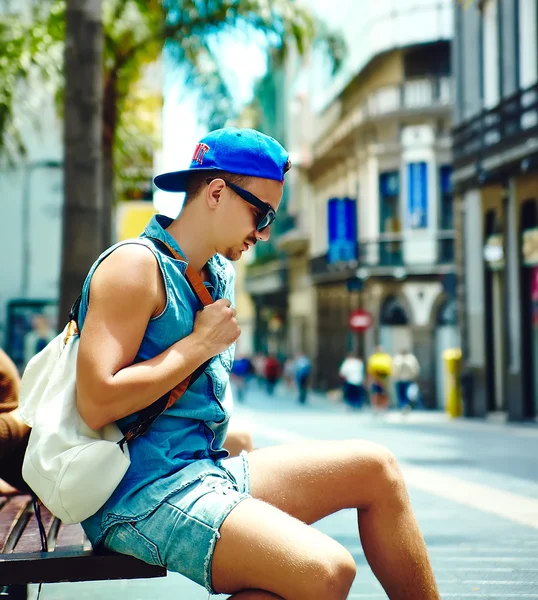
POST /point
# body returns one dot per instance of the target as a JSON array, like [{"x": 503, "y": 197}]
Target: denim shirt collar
[{"x": 156, "y": 228}]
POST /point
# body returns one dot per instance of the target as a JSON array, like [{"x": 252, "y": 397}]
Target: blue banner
[
  {"x": 417, "y": 195},
  {"x": 342, "y": 223}
]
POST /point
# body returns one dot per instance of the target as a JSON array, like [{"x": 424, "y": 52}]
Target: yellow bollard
[{"x": 454, "y": 402}]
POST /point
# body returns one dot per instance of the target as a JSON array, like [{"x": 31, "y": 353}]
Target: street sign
[{"x": 360, "y": 320}]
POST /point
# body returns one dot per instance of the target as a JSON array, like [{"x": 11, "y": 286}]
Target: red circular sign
[{"x": 360, "y": 320}]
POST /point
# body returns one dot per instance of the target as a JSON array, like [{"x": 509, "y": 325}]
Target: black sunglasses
[{"x": 268, "y": 215}]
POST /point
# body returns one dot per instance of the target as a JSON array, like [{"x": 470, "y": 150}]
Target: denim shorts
[{"x": 181, "y": 533}]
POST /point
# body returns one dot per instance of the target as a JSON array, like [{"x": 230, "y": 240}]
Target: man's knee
[
  {"x": 334, "y": 575},
  {"x": 384, "y": 472}
]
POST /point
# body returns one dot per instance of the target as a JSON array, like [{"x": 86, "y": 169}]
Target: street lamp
[{"x": 28, "y": 170}]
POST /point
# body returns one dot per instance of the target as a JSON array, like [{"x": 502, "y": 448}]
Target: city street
[{"x": 474, "y": 487}]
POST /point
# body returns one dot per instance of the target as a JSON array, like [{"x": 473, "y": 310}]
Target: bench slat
[
  {"x": 60, "y": 535},
  {"x": 72, "y": 565},
  {"x": 30, "y": 540},
  {"x": 69, "y": 536},
  {"x": 12, "y": 510},
  {"x": 70, "y": 557}
]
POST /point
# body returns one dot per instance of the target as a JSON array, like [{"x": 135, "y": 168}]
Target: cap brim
[{"x": 176, "y": 181}]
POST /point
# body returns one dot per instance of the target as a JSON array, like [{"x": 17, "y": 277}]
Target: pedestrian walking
[
  {"x": 379, "y": 371},
  {"x": 405, "y": 371},
  {"x": 272, "y": 372},
  {"x": 238, "y": 526},
  {"x": 352, "y": 373},
  {"x": 258, "y": 362},
  {"x": 302, "y": 367},
  {"x": 288, "y": 372},
  {"x": 242, "y": 369}
]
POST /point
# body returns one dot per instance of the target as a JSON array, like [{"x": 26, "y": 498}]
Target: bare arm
[{"x": 126, "y": 291}]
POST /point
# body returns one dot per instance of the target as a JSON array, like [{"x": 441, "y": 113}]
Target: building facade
[
  {"x": 371, "y": 198},
  {"x": 268, "y": 270},
  {"x": 386, "y": 154},
  {"x": 495, "y": 144}
]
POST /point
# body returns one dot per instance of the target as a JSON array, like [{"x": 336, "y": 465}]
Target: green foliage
[
  {"x": 136, "y": 32},
  {"x": 27, "y": 49}
]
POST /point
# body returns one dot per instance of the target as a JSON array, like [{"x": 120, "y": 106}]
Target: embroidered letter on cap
[{"x": 199, "y": 153}]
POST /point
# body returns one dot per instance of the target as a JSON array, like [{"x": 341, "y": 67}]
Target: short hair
[{"x": 196, "y": 181}]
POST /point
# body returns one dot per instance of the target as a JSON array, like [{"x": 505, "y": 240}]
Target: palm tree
[
  {"x": 136, "y": 34},
  {"x": 83, "y": 204}
]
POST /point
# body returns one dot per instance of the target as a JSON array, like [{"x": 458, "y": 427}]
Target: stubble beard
[{"x": 233, "y": 254}]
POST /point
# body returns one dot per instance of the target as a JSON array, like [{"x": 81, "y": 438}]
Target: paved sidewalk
[
  {"x": 285, "y": 398},
  {"x": 473, "y": 486}
]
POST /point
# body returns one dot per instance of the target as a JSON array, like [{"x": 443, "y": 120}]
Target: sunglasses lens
[{"x": 266, "y": 220}]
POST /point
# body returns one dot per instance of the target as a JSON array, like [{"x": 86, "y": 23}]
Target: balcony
[
  {"x": 411, "y": 249},
  {"x": 420, "y": 96},
  {"x": 501, "y": 135},
  {"x": 420, "y": 252}
]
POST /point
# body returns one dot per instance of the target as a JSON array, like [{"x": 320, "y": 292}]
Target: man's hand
[{"x": 217, "y": 326}]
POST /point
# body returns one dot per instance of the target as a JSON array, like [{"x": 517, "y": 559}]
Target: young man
[
  {"x": 352, "y": 372},
  {"x": 238, "y": 525},
  {"x": 406, "y": 371},
  {"x": 302, "y": 375},
  {"x": 379, "y": 369}
]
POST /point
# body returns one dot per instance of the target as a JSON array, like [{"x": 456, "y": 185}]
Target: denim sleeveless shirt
[{"x": 185, "y": 442}]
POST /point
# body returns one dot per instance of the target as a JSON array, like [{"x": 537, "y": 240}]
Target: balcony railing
[
  {"x": 397, "y": 250},
  {"x": 511, "y": 122},
  {"x": 393, "y": 251},
  {"x": 414, "y": 94}
]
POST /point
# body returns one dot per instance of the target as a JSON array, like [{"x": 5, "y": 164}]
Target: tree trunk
[
  {"x": 83, "y": 205},
  {"x": 108, "y": 194},
  {"x": 110, "y": 123}
]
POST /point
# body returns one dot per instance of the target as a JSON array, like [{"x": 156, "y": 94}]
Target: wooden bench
[{"x": 70, "y": 556}]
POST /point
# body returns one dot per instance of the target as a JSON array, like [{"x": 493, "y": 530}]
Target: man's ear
[{"x": 214, "y": 192}]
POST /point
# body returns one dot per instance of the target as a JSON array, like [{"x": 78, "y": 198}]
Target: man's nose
[{"x": 264, "y": 234}]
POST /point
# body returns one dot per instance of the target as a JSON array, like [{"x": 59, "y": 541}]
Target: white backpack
[
  {"x": 71, "y": 468},
  {"x": 74, "y": 469}
]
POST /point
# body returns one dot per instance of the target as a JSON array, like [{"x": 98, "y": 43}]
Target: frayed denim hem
[{"x": 208, "y": 562}]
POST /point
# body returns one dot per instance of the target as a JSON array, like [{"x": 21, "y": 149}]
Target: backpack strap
[{"x": 151, "y": 412}]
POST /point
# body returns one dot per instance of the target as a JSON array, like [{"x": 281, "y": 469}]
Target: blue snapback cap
[{"x": 239, "y": 151}]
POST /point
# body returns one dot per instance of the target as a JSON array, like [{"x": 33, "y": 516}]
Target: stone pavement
[{"x": 474, "y": 488}]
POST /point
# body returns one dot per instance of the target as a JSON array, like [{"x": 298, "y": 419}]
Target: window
[
  {"x": 393, "y": 313},
  {"x": 427, "y": 60},
  {"x": 528, "y": 46},
  {"x": 417, "y": 195},
  {"x": 389, "y": 202},
  {"x": 446, "y": 208},
  {"x": 490, "y": 53}
]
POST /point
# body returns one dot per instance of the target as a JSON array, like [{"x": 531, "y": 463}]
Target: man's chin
[{"x": 233, "y": 254}]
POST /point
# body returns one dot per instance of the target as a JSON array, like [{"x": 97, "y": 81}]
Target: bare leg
[
  {"x": 297, "y": 479},
  {"x": 262, "y": 548},
  {"x": 272, "y": 551}
]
